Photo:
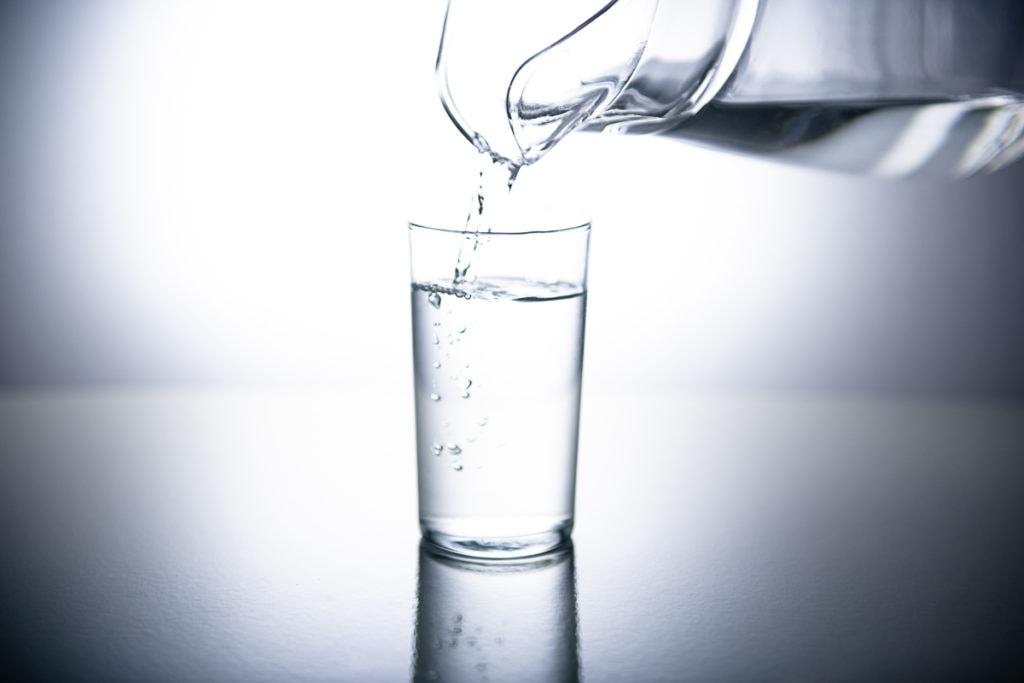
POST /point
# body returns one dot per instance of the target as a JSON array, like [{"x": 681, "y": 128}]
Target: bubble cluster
[{"x": 438, "y": 290}]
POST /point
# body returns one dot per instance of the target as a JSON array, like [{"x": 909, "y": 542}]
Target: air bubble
[
  {"x": 437, "y": 340},
  {"x": 463, "y": 383},
  {"x": 435, "y": 397},
  {"x": 435, "y": 299},
  {"x": 453, "y": 448},
  {"x": 457, "y": 467},
  {"x": 436, "y": 364},
  {"x": 461, "y": 329},
  {"x": 464, "y": 394},
  {"x": 438, "y": 449}
]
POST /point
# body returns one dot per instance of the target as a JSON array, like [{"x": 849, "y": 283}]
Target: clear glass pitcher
[{"x": 888, "y": 87}]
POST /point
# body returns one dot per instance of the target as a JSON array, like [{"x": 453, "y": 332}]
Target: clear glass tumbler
[{"x": 498, "y": 321}]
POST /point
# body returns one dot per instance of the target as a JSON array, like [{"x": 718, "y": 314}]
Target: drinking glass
[{"x": 498, "y": 322}]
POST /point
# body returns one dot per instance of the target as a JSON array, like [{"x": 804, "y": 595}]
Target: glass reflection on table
[{"x": 496, "y": 621}]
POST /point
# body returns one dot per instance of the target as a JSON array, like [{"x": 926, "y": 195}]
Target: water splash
[{"x": 495, "y": 180}]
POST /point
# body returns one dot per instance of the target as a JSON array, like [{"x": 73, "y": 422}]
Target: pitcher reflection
[{"x": 496, "y": 621}]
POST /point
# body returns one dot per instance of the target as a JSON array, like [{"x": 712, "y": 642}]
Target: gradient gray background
[
  {"x": 196, "y": 192},
  {"x": 203, "y": 198}
]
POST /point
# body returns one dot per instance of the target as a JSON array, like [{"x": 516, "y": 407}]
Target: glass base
[{"x": 497, "y": 547}]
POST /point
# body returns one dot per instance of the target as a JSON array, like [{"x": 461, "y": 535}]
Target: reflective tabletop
[{"x": 227, "y": 535}]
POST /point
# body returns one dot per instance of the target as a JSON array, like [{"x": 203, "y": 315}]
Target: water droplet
[
  {"x": 438, "y": 449},
  {"x": 464, "y": 394},
  {"x": 436, "y": 364},
  {"x": 457, "y": 467},
  {"x": 435, "y": 299},
  {"x": 463, "y": 383},
  {"x": 453, "y": 448},
  {"x": 435, "y": 397},
  {"x": 437, "y": 340},
  {"x": 461, "y": 329}
]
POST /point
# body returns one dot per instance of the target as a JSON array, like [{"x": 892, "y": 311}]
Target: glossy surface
[{"x": 166, "y": 535}]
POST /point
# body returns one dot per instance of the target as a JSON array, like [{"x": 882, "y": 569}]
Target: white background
[{"x": 217, "y": 191}]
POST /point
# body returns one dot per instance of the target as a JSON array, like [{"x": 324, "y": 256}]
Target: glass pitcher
[{"x": 866, "y": 86}]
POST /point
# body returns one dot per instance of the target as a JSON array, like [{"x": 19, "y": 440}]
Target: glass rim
[{"x": 582, "y": 224}]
